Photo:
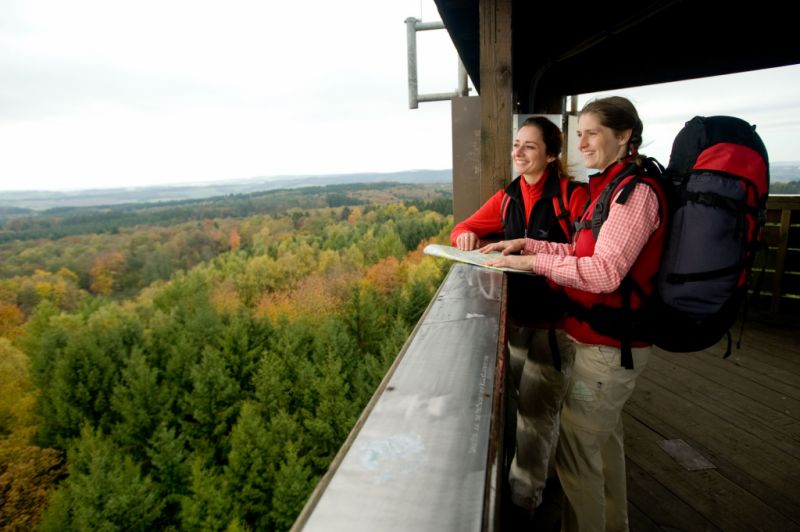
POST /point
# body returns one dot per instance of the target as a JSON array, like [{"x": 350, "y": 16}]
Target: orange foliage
[
  {"x": 225, "y": 298},
  {"x": 104, "y": 271},
  {"x": 355, "y": 216},
  {"x": 11, "y": 318},
  {"x": 27, "y": 476},
  {"x": 234, "y": 240},
  {"x": 386, "y": 276},
  {"x": 418, "y": 254},
  {"x": 313, "y": 296}
]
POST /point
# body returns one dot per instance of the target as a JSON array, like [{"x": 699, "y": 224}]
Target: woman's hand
[
  {"x": 518, "y": 262},
  {"x": 467, "y": 241},
  {"x": 506, "y": 246}
]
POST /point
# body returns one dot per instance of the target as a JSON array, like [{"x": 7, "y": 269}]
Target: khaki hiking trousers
[
  {"x": 540, "y": 391},
  {"x": 590, "y": 460}
]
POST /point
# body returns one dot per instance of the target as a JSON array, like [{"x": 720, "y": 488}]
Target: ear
[
  {"x": 550, "y": 159},
  {"x": 623, "y": 137}
]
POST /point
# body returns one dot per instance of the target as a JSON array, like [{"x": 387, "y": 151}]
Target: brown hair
[
  {"x": 619, "y": 114},
  {"x": 553, "y": 142}
]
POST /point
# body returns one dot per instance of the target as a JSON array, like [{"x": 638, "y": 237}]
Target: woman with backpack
[
  {"x": 598, "y": 271},
  {"x": 541, "y": 203}
]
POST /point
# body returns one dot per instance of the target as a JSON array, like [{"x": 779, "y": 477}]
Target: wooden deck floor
[{"x": 742, "y": 414}]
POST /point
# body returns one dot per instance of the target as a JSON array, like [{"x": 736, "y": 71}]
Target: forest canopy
[{"x": 197, "y": 366}]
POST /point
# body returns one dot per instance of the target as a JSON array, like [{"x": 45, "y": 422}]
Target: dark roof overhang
[{"x": 567, "y": 48}]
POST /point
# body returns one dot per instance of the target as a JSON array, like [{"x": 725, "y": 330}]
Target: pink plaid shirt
[{"x": 619, "y": 243}]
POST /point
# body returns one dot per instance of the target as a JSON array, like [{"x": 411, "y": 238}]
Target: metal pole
[
  {"x": 463, "y": 90},
  {"x": 411, "y": 39},
  {"x": 414, "y": 25}
]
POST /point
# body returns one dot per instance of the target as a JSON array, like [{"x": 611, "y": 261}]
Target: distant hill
[
  {"x": 16, "y": 203},
  {"x": 41, "y": 200},
  {"x": 59, "y": 222},
  {"x": 784, "y": 171}
]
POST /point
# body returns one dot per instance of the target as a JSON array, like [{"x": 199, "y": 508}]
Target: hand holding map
[{"x": 474, "y": 257}]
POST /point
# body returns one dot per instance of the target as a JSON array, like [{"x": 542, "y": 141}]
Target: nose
[{"x": 582, "y": 143}]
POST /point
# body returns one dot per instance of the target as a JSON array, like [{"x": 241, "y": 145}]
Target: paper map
[{"x": 474, "y": 257}]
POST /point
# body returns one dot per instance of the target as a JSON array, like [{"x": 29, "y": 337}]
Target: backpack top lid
[{"x": 724, "y": 144}]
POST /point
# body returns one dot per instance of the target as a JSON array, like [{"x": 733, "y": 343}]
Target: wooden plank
[
  {"x": 788, "y": 283},
  {"x": 650, "y": 417},
  {"x": 662, "y": 508},
  {"x": 756, "y": 380},
  {"x": 726, "y": 504},
  {"x": 772, "y": 426},
  {"x": 783, "y": 336},
  {"x": 774, "y": 216},
  {"x": 638, "y": 521},
  {"x": 780, "y": 261},
  {"x": 790, "y": 304},
  {"x": 784, "y": 201},
  {"x": 496, "y": 94},
  {"x": 775, "y": 470},
  {"x": 777, "y": 349},
  {"x": 771, "y": 256},
  {"x": 772, "y": 232},
  {"x": 764, "y": 363},
  {"x": 773, "y": 353}
]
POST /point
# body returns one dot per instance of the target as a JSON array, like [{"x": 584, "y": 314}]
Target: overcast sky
[{"x": 102, "y": 93}]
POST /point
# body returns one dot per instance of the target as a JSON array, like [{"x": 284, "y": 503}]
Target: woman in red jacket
[
  {"x": 599, "y": 270},
  {"x": 541, "y": 203}
]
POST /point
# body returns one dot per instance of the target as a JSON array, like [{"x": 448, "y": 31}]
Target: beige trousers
[
  {"x": 591, "y": 458},
  {"x": 541, "y": 389}
]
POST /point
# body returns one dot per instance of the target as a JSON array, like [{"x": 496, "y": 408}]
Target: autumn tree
[{"x": 105, "y": 271}]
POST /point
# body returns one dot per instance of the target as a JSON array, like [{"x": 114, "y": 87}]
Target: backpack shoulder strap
[
  {"x": 650, "y": 168},
  {"x": 504, "y": 208},
  {"x": 603, "y": 204},
  {"x": 561, "y": 206}
]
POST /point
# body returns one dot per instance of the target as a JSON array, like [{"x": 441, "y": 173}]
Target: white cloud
[
  {"x": 117, "y": 93},
  {"x": 767, "y": 98},
  {"x": 105, "y": 92}
]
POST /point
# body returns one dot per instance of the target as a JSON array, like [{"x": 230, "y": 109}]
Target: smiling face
[
  {"x": 530, "y": 154},
  {"x": 600, "y": 145}
]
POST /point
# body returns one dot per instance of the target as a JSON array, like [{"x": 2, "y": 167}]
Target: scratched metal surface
[{"x": 419, "y": 461}]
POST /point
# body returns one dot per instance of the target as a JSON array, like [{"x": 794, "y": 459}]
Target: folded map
[{"x": 474, "y": 257}]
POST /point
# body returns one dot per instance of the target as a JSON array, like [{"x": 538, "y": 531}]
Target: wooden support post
[
  {"x": 496, "y": 94},
  {"x": 466, "y": 116}
]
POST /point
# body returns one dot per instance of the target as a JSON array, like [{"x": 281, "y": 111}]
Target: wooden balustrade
[{"x": 781, "y": 283}]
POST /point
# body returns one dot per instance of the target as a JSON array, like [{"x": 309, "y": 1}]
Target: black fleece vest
[{"x": 531, "y": 301}]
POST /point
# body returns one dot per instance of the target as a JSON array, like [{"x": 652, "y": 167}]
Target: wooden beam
[
  {"x": 496, "y": 95},
  {"x": 466, "y": 117}
]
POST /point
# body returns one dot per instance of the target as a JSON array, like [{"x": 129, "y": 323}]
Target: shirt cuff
[
  {"x": 530, "y": 246},
  {"x": 543, "y": 264}
]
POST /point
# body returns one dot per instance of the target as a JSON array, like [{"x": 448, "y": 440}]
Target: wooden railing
[
  {"x": 427, "y": 452},
  {"x": 780, "y": 288}
]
